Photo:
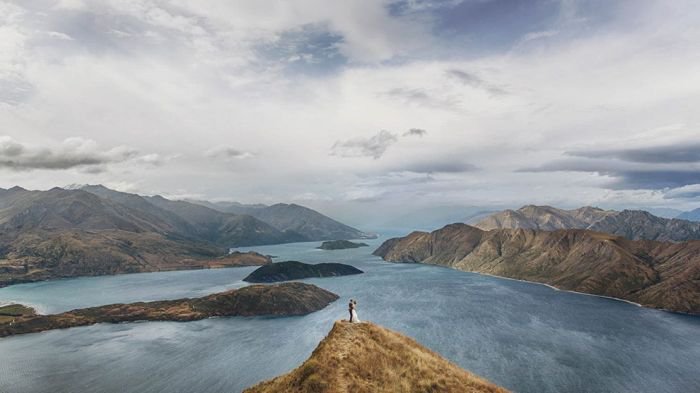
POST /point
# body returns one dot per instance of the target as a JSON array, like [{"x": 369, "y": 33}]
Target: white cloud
[{"x": 182, "y": 76}]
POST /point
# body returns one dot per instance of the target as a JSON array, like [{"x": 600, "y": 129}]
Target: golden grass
[{"x": 366, "y": 358}]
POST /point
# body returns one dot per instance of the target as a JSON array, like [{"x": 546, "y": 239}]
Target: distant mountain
[
  {"x": 292, "y": 218},
  {"x": 199, "y": 222},
  {"x": 664, "y": 212},
  {"x": 92, "y": 230},
  {"x": 633, "y": 224},
  {"x": 693, "y": 215},
  {"x": 655, "y": 274},
  {"x": 364, "y": 357},
  {"x": 229, "y": 207}
]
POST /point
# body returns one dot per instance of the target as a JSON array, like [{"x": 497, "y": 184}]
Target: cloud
[
  {"x": 536, "y": 35},
  {"x": 228, "y": 153},
  {"x": 472, "y": 80},
  {"x": 72, "y": 153},
  {"x": 423, "y": 97},
  {"x": 687, "y": 151},
  {"x": 686, "y": 192},
  {"x": 437, "y": 166},
  {"x": 651, "y": 167},
  {"x": 627, "y": 175},
  {"x": 374, "y": 146},
  {"x": 415, "y": 132}
]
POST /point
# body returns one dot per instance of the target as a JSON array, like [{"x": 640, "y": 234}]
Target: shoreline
[
  {"x": 555, "y": 288},
  {"x": 570, "y": 291}
]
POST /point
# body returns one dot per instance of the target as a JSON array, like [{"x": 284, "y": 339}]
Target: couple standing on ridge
[{"x": 353, "y": 312}]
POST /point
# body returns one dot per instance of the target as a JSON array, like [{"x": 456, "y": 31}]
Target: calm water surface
[{"x": 527, "y": 337}]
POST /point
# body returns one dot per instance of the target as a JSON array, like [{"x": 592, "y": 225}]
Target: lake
[{"x": 526, "y": 337}]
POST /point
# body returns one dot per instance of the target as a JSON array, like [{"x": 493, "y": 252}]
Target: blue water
[{"x": 526, "y": 337}]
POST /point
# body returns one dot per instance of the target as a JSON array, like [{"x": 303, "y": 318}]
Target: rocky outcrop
[
  {"x": 367, "y": 358},
  {"x": 662, "y": 275},
  {"x": 277, "y": 300},
  {"x": 632, "y": 224},
  {"x": 293, "y": 270},
  {"x": 340, "y": 245}
]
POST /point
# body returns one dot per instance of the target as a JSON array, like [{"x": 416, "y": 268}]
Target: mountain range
[
  {"x": 293, "y": 218},
  {"x": 632, "y": 224},
  {"x": 657, "y": 274},
  {"x": 93, "y": 230}
]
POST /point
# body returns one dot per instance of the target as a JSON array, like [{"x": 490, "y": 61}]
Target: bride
[{"x": 353, "y": 311}]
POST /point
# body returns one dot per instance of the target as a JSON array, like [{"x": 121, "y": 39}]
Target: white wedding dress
[{"x": 355, "y": 319}]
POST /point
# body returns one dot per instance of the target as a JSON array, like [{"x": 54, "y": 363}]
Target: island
[
  {"x": 367, "y": 358},
  {"x": 294, "y": 270},
  {"x": 288, "y": 299},
  {"x": 340, "y": 245}
]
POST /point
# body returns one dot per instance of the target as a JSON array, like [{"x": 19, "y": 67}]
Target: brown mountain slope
[
  {"x": 277, "y": 300},
  {"x": 366, "y": 358},
  {"x": 656, "y": 274},
  {"x": 632, "y": 224},
  {"x": 47, "y": 254}
]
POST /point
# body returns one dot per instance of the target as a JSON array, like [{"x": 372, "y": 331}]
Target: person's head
[{"x": 354, "y": 302}]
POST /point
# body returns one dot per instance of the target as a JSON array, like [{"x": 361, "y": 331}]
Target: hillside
[
  {"x": 367, "y": 358},
  {"x": 632, "y": 224},
  {"x": 293, "y": 218},
  {"x": 46, "y": 254},
  {"x": 271, "y": 300},
  {"x": 656, "y": 274},
  {"x": 199, "y": 222}
]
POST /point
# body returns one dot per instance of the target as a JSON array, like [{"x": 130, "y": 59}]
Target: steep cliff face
[
  {"x": 656, "y": 274},
  {"x": 367, "y": 358}
]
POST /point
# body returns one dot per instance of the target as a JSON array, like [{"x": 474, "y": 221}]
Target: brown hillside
[
  {"x": 366, "y": 358},
  {"x": 656, "y": 274}
]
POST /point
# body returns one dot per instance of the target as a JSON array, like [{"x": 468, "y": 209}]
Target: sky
[{"x": 363, "y": 109}]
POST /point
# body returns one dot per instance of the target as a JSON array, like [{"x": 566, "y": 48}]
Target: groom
[{"x": 350, "y": 306}]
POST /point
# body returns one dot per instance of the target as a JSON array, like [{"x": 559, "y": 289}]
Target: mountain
[
  {"x": 656, "y": 274},
  {"x": 664, "y": 212},
  {"x": 199, "y": 222},
  {"x": 633, "y": 224},
  {"x": 545, "y": 218},
  {"x": 289, "y": 299},
  {"x": 693, "y": 215},
  {"x": 229, "y": 207},
  {"x": 292, "y": 218},
  {"x": 96, "y": 231},
  {"x": 367, "y": 358}
]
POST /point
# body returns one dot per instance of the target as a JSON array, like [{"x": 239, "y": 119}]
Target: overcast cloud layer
[{"x": 356, "y": 107}]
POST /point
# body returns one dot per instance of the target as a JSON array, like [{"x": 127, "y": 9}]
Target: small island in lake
[
  {"x": 293, "y": 270},
  {"x": 286, "y": 299},
  {"x": 340, "y": 245}
]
